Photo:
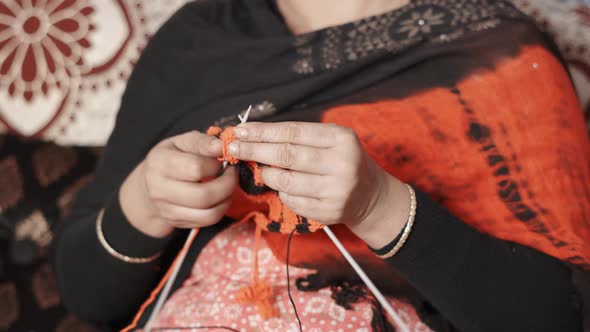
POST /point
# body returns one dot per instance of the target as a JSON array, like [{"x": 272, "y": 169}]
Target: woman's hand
[
  {"x": 167, "y": 190},
  {"x": 322, "y": 172}
]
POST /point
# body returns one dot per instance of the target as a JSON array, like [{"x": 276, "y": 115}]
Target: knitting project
[
  {"x": 279, "y": 218},
  {"x": 272, "y": 216}
]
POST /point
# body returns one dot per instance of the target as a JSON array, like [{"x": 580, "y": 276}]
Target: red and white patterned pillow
[{"x": 64, "y": 63}]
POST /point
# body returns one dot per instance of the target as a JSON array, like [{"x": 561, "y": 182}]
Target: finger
[
  {"x": 320, "y": 135},
  {"x": 183, "y": 217},
  {"x": 285, "y": 155},
  {"x": 198, "y": 195},
  {"x": 183, "y": 166},
  {"x": 304, "y": 206},
  {"x": 198, "y": 143},
  {"x": 295, "y": 183}
]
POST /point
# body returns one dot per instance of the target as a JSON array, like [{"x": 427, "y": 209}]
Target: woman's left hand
[{"x": 322, "y": 172}]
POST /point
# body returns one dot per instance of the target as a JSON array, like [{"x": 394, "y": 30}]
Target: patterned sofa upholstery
[{"x": 59, "y": 94}]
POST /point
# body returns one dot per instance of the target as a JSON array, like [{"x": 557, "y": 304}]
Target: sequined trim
[
  {"x": 259, "y": 110},
  {"x": 421, "y": 20}
]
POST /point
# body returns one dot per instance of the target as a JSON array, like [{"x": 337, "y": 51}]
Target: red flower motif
[{"x": 41, "y": 44}]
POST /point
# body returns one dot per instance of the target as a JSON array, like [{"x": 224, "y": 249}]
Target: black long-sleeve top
[{"x": 476, "y": 281}]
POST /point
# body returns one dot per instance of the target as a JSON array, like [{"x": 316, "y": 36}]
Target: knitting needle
[
  {"x": 365, "y": 278},
  {"x": 378, "y": 295},
  {"x": 168, "y": 286},
  {"x": 180, "y": 260}
]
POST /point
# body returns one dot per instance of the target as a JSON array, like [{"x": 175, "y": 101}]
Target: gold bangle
[
  {"x": 408, "y": 228},
  {"x": 113, "y": 252}
]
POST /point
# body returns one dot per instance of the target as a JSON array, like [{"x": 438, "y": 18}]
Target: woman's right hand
[{"x": 167, "y": 191}]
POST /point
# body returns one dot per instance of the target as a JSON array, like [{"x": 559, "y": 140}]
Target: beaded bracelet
[
  {"x": 113, "y": 252},
  {"x": 407, "y": 228}
]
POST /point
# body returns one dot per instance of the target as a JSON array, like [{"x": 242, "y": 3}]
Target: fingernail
[
  {"x": 240, "y": 132},
  {"x": 233, "y": 148}
]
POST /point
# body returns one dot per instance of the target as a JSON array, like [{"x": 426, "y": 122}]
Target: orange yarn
[
  {"x": 227, "y": 136},
  {"x": 214, "y": 131},
  {"x": 259, "y": 292}
]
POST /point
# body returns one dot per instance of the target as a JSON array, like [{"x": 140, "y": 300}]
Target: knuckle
[
  {"x": 150, "y": 187},
  {"x": 318, "y": 157},
  {"x": 149, "y": 170},
  {"x": 181, "y": 166},
  {"x": 205, "y": 144},
  {"x": 192, "y": 170},
  {"x": 166, "y": 211},
  {"x": 256, "y": 133},
  {"x": 203, "y": 197},
  {"x": 244, "y": 150},
  {"x": 151, "y": 161},
  {"x": 152, "y": 195},
  {"x": 293, "y": 131},
  {"x": 200, "y": 169},
  {"x": 285, "y": 181},
  {"x": 193, "y": 136},
  {"x": 285, "y": 155}
]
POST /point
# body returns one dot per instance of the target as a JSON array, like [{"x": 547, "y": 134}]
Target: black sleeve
[
  {"x": 93, "y": 284},
  {"x": 481, "y": 283}
]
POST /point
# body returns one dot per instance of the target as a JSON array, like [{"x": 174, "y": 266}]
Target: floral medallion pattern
[
  {"x": 64, "y": 63},
  {"x": 42, "y": 43}
]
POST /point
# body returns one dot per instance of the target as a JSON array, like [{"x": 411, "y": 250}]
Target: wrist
[
  {"x": 388, "y": 216},
  {"x": 138, "y": 208}
]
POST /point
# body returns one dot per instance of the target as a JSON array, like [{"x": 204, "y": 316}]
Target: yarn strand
[{"x": 289, "y": 280}]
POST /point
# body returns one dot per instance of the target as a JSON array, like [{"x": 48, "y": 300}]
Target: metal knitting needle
[
  {"x": 378, "y": 295},
  {"x": 180, "y": 260},
  {"x": 168, "y": 286},
  {"x": 365, "y": 278}
]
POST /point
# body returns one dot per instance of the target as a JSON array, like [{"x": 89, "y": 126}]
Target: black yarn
[
  {"x": 303, "y": 226},
  {"x": 246, "y": 180},
  {"x": 311, "y": 282},
  {"x": 289, "y": 282},
  {"x": 346, "y": 294},
  {"x": 379, "y": 322}
]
